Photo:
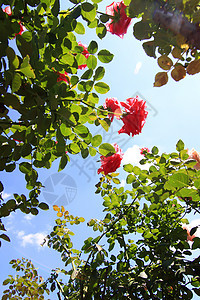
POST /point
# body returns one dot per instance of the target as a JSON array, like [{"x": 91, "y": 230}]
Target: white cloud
[
  {"x": 123, "y": 182},
  {"x": 132, "y": 155},
  {"x": 5, "y": 195},
  {"x": 28, "y": 217},
  {"x": 31, "y": 239},
  {"x": 137, "y": 67}
]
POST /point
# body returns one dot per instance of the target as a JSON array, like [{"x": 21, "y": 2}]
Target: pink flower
[
  {"x": 85, "y": 53},
  {"x": 193, "y": 154},
  {"x": 111, "y": 163},
  {"x": 188, "y": 228},
  {"x": 113, "y": 105},
  {"x": 7, "y": 10},
  {"x": 135, "y": 116},
  {"x": 120, "y": 23},
  {"x": 63, "y": 77},
  {"x": 144, "y": 150}
]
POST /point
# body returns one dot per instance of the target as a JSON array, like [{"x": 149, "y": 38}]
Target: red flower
[
  {"x": 85, "y": 53},
  {"x": 7, "y": 10},
  {"x": 120, "y": 22},
  {"x": 188, "y": 228},
  {"x": 134, "y": 118},
  {"x": 111, "y": 163},
  {"x": 144, "y": 150},
  {"x": 63, "y": 77},
  {"x": 113, "y": 105},
  {"x": 193, "y": 154}
]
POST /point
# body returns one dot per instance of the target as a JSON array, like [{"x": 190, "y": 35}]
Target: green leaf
[
  {"x": 88, "y": 11},
  {"x": 87, "y": 74},
  {"x": 149, "y": 48},
  {"x": 196, "y": 243},
  {"x": 11, "y": 204},
  {"x": 106, "y": 149},
  {"x": 105, "y": 124},
  {"x": 116, "y": 180},
  {"x": 4, "y": 237},
  {"x": 101, "y": 30},
  {"x": 81, "y": 130},
  {"x": 1, "y": 187},
  {"x": 16, "y": 82},
  {"x": 67, "y": 59},
  {"x": 96, "y": 140},
  {"x": 92, "y": 151},
  {"x": 80, "y": 29},
  {"x": 180, "y": 145},
  {"x": 197, "y": 183},
  {"x": 197, "y": 291},
  {"x": 179, "y": 180},
  {"x": 101, "y": 87},
  {"x": 56, "y": 8},
  {"x": 43, "y": 206},
  {"x": 25, "y": 167},
  {"x": 12, "y": 57},
  {"x": 154, "y": 150},
  {"x": 74, "y": 148},
  {"x": 92, "y": 62},
  {"x": 65, "y": 131},
  {"x": 93, "y": 47},
  {"x": 63, "y": 162},
  {"x": 105, "y": 56},
  {"x": 130, "y": 178},
  {"x": 26, "y": 68},
  {"x": 99, "y": 73},
  {"x": 84, "y": 153},
  {"x": 142, "y": 30},
  {"x": 128, "y": 168}
]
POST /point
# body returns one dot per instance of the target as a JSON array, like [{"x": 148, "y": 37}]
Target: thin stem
[{"x": 61, "y": 289}]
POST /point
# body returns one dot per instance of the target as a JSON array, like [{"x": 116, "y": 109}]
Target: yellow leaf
[
  {"x": 59, "y": 214},
  {"x": 193, "y": 67},
  {"x": 66, "y": 213},
  {"x": 178, "y": 72},
  {"x": 161, "y": 78},
  {"x": 62, "y": 209},
  {"x": 165, "y": 62},
  {"x": 56, "y": 208}
]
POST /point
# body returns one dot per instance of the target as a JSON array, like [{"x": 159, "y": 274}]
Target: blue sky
[{"x": 174, "y": 114}]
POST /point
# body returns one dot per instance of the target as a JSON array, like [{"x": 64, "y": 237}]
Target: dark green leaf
[
  {"x": 105, "y": 56},
  {"x": 56, "y": 8}
]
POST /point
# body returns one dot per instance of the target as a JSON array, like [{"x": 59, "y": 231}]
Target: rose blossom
[
  {"x": 85, "y": 53},
  {"x": 188, "y": 228},
  {"x": 193, "y": 154},
  {"x": 143, "y": 150},
  {"x": 120, "y": 23},
  {"x": 111, "y": 163},
  {"x": 135, "y": 116},
  {"x": 113, "y": 105}
]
